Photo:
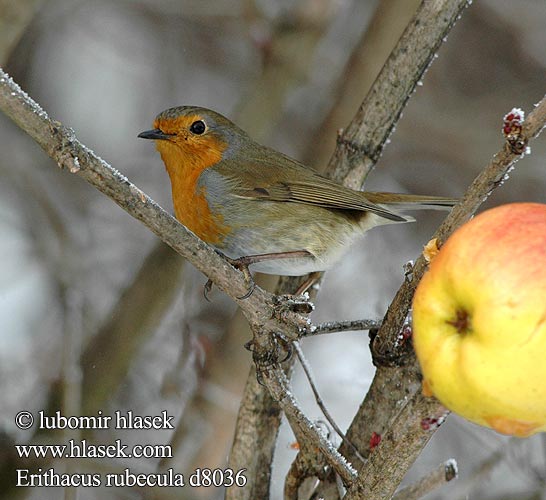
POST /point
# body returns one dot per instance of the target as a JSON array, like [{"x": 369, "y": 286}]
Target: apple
[{"x": 479, "y": 320}]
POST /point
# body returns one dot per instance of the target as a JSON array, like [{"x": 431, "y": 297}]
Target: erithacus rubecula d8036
[{"x": 247, "y": 199}]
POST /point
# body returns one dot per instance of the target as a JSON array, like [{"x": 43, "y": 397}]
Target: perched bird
[{"x": 246, "y": 199}]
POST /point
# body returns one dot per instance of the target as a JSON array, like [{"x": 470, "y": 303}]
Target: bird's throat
[{"x": 189, "y": 199}]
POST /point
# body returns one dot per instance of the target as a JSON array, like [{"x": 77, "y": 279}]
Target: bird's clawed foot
[
  {"x": 294, "y": 310},
  {"x": 276, "y": 347},
  {"x": 241, "y": 264},
  {"x": 278, "y": 351}
]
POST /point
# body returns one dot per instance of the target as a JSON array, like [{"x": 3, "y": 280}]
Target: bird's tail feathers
[{"x": 412, "y": 201}]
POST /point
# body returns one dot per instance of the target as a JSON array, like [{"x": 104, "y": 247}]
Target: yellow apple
[{"x": 479, "y": 320}]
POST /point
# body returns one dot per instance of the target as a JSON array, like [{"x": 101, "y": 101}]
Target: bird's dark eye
[{"x": 198, "y": 127}]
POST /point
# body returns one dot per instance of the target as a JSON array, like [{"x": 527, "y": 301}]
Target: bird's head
[{"x": 195, "y": 135}]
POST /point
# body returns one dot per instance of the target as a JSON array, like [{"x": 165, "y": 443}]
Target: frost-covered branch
[
  {"x": 411, "y": 417},
  {"x": 436, "y": 478},
  {"x": 261, "y": 308}
]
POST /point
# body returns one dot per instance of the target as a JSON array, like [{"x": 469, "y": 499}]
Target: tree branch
[
  {"x": 482, "y": 186},
  {"x": 361, "y": 144},
  {"x": 342, "y": 326},
  {"x": 62, "y": 146},
  {"x": 254, "y": 440},
  {"x": 436, "y": 478},
  {"x": 376, "y": 43},
  {"x": 287, "y": 60},
  {"x": 395, "y": 399},
  {"x": 268, "y": 315}
]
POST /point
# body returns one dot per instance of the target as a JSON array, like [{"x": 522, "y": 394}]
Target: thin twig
[
  {"x": 342, "y": 326},
  {"x": 480, "y": 474},
  {"x": 306, "y": 431},
  {"x": 307, "y": 370},
  {"x": 436, "y": 478}
]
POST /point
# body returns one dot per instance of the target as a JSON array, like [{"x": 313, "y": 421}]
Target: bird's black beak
[{"x": 154, "y": 134}]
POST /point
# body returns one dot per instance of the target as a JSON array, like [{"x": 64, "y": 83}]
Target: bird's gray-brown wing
[{"x": 257, "y": 178}]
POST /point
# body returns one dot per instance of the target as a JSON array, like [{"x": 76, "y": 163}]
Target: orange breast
[{"x": 190, "y": 204}]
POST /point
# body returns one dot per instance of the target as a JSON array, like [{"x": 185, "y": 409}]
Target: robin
[{"x": 258, "y": 206}]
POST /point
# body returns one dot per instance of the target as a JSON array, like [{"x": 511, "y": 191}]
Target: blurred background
[{"x": 96, "y": 314}]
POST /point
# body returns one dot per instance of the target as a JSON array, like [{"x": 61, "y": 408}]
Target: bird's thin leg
[
  {"x": 311, "y": 279},
  {"x": 242, "y": 264},
  {"x": 248, "y": 260}
]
